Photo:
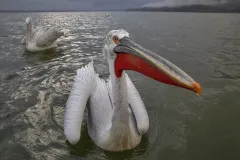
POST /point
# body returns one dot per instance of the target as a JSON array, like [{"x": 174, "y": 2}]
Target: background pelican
[
  {"x": 117, "y": 117},
  {"x": 40, "y": 38}
]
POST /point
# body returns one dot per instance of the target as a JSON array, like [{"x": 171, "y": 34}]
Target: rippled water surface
[{"x": 34, "y": 87}]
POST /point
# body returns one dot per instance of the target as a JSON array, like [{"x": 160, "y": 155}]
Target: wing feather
[
  {"x": 138, "y": 107},
  {"x": 84, "y": 84},
  {"x": 48, "y": 37}
]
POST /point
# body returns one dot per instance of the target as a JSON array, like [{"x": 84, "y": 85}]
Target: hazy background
[{"x": 99, "y": 4}]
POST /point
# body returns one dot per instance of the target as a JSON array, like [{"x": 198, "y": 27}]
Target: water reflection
[
  {"x": 44, "y": 84},
  {"x": 86, "y": 147},
  {"x": 35, "y": 87},
  {"x": 135, "y": 153},
  {"x": 39, "y": 57}
]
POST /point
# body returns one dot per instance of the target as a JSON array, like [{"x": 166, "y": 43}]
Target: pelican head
[
  {"x": 127, "y": 55},
  {"x": 28, "y": 20}
]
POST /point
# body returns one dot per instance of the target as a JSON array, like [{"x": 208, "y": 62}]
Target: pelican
[
  {"x": 40, "y": 38},
  {"x": 116, "y": 116}
]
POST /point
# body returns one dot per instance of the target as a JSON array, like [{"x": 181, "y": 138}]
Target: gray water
[{"x": 34, "y": 87}]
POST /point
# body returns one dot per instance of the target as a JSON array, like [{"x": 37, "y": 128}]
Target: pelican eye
[{"x": 115, "y": 39}]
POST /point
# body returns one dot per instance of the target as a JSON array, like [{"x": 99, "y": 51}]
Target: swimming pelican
[
  {"x": 40, "y": 38},
  {"x": 116, "y": 115}
]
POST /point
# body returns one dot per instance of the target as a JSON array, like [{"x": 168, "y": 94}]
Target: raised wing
[
  {"x": 48, "y": 37},
  {"x": 84, "y": 84},
  {"x": 138, "y": 107}
]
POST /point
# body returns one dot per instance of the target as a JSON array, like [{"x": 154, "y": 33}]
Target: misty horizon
[{"x": 98, "y": 5}]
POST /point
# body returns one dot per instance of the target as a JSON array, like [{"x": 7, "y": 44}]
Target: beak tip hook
[{"x": 197, "y": 88}]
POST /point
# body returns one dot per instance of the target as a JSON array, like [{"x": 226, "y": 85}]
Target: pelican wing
[
  {"x": 38, "y": 31},
  {"x": 138, "y": 107},
  {"x": 48, "y": 37},
  {"x": 85, "y": 82}
]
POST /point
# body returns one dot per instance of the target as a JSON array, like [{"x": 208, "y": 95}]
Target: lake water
[{"x": 34, "y": 87}]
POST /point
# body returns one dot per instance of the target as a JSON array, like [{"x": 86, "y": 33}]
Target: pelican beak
[{"x": 131, "y": 56}]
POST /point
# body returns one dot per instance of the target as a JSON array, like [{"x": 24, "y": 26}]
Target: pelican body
[
  {"x": 116, "y": 116},
  {"x": 40, "y": 38}
]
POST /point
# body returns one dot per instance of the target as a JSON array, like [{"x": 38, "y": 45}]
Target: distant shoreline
[
  {"x": 226, "y": 8},
  {"x": 197, "y": 8},
  {"x": 183, "y": 11},
  {"x": 24, "y": 11},
  {"x": 125, "y": 11}
]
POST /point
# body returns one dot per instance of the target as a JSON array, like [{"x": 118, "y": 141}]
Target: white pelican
[
  {"x": 116, "y": 115},
  {"x": 40, "y": 38}
]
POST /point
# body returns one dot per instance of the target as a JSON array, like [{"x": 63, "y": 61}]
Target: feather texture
[
  {"x": 138, "y": 107},
  {"x": 48, "y": 37},
  {"x": 40, "y": 38},
  {"x": 84, "y": 83},
  {"x": 102, "y": 128}
]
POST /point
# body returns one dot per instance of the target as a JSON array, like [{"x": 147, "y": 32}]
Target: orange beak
[{"x": 131, "y": 56}]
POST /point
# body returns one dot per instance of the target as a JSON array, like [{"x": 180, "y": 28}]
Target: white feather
[
  {"x": 40, "y": 38},
  {"x": 138, "y": 107},
  {"x": 116, "y": 115},
  {"x": 48, "y": 37},
  {"x": 85, "y": 82}
]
